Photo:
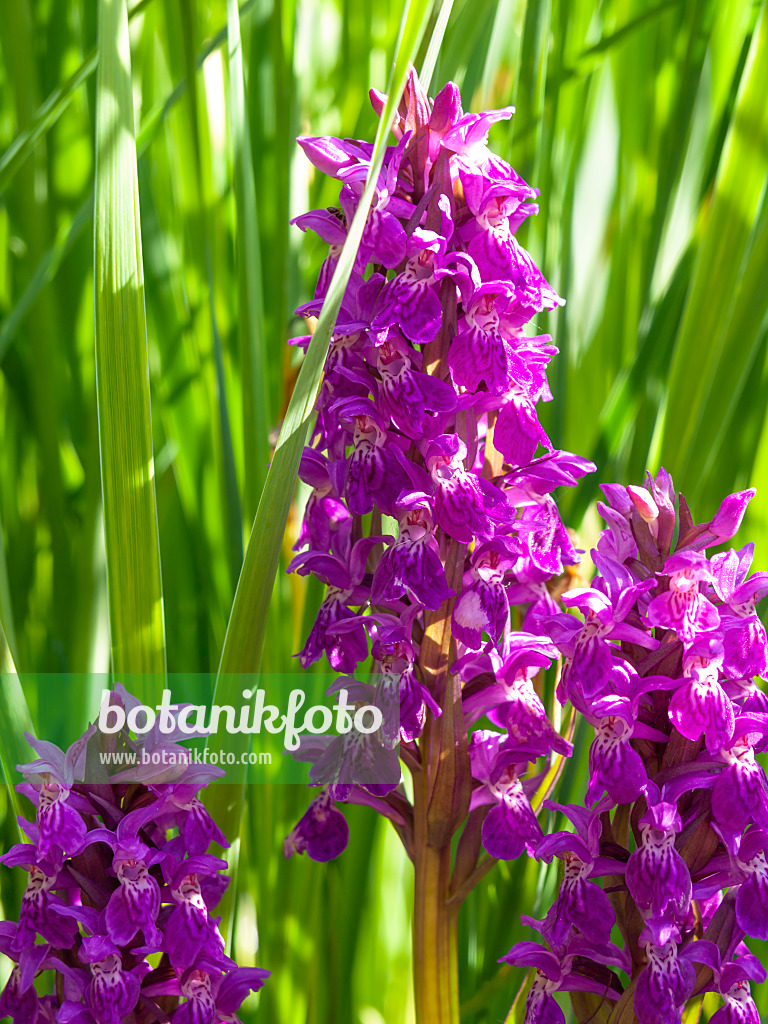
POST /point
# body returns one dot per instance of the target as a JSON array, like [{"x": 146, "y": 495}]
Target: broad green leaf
[{"x": 122, "y": 367}]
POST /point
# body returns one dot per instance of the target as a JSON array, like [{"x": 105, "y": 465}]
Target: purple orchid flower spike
[
  {"x": 127, "y": 891},
  {"x": 428, "y": 415}
]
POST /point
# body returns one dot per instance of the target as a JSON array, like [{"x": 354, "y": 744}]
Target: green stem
[{"x": 435, "y": 954}]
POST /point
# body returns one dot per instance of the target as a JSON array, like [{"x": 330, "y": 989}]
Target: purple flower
[
  {"x": 466, "y": 505},
  {"x": 188, "y": 928},
  {"x": 407, "y": 396},
  {"x": 580, "y": 903},
  {"x": 102, "y": 915},
  {"x": 510, "y": 826},
  {"x": 740, "y": 793},
  {"x": 344, "y": 580},
  {"x": 657, "y": 876},
  {"x": 403, "y": 699},
  {"x": 682, "y": 607},
  {"x": 614, "y": 766},
  {"x": 412, "y": 564},
  {"x": 322, "y": 831},
  {"x": 483, "y": 605},
  {"x": 701, "y": 707},
  {"x": 664, "y": 985}
]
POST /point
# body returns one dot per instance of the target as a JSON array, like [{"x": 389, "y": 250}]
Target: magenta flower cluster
[
  {"x": 661, "y": 662},
  {"x": 118, "y": 872},
  {"x": 432, "y": 507},
  {"x": 428, "y": 457}
]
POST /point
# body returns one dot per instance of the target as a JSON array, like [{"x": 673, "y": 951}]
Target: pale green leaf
[{"x": 122, "y": 367}]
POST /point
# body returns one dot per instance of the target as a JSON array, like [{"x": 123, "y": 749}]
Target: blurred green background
[{"x": 646, "y": 128}]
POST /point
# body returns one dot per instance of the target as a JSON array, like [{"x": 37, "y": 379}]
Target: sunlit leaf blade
[
  {"x": 122, "y": 369},
  {"x": 700, "y": 353},
  {"x": 8, "y": 641},
  {"x": 435, "y": 42},
  {"x": 250, "y": 321}
]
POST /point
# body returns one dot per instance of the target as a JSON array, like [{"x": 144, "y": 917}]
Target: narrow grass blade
[
  {"x": 6, "y": 611},
  {"x": 435, "y": 42},
  {"x": 253, "y": 361},
  {"x": 122, "y": 367},
  {"x": 12, "y": 160},
  {"x": 45, "y": 272}
]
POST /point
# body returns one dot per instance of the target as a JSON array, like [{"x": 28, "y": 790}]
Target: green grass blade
[
  {"x": 12, "y": 160},
  {"x": 701, "y": 346},
  {"x": 122, "y": 368},
  {"x": 253, "y": 358},
  {"x": 6, "y": 611},
  {"x": 435, "y": 42},
  {"x": 44, "y": 273}
]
